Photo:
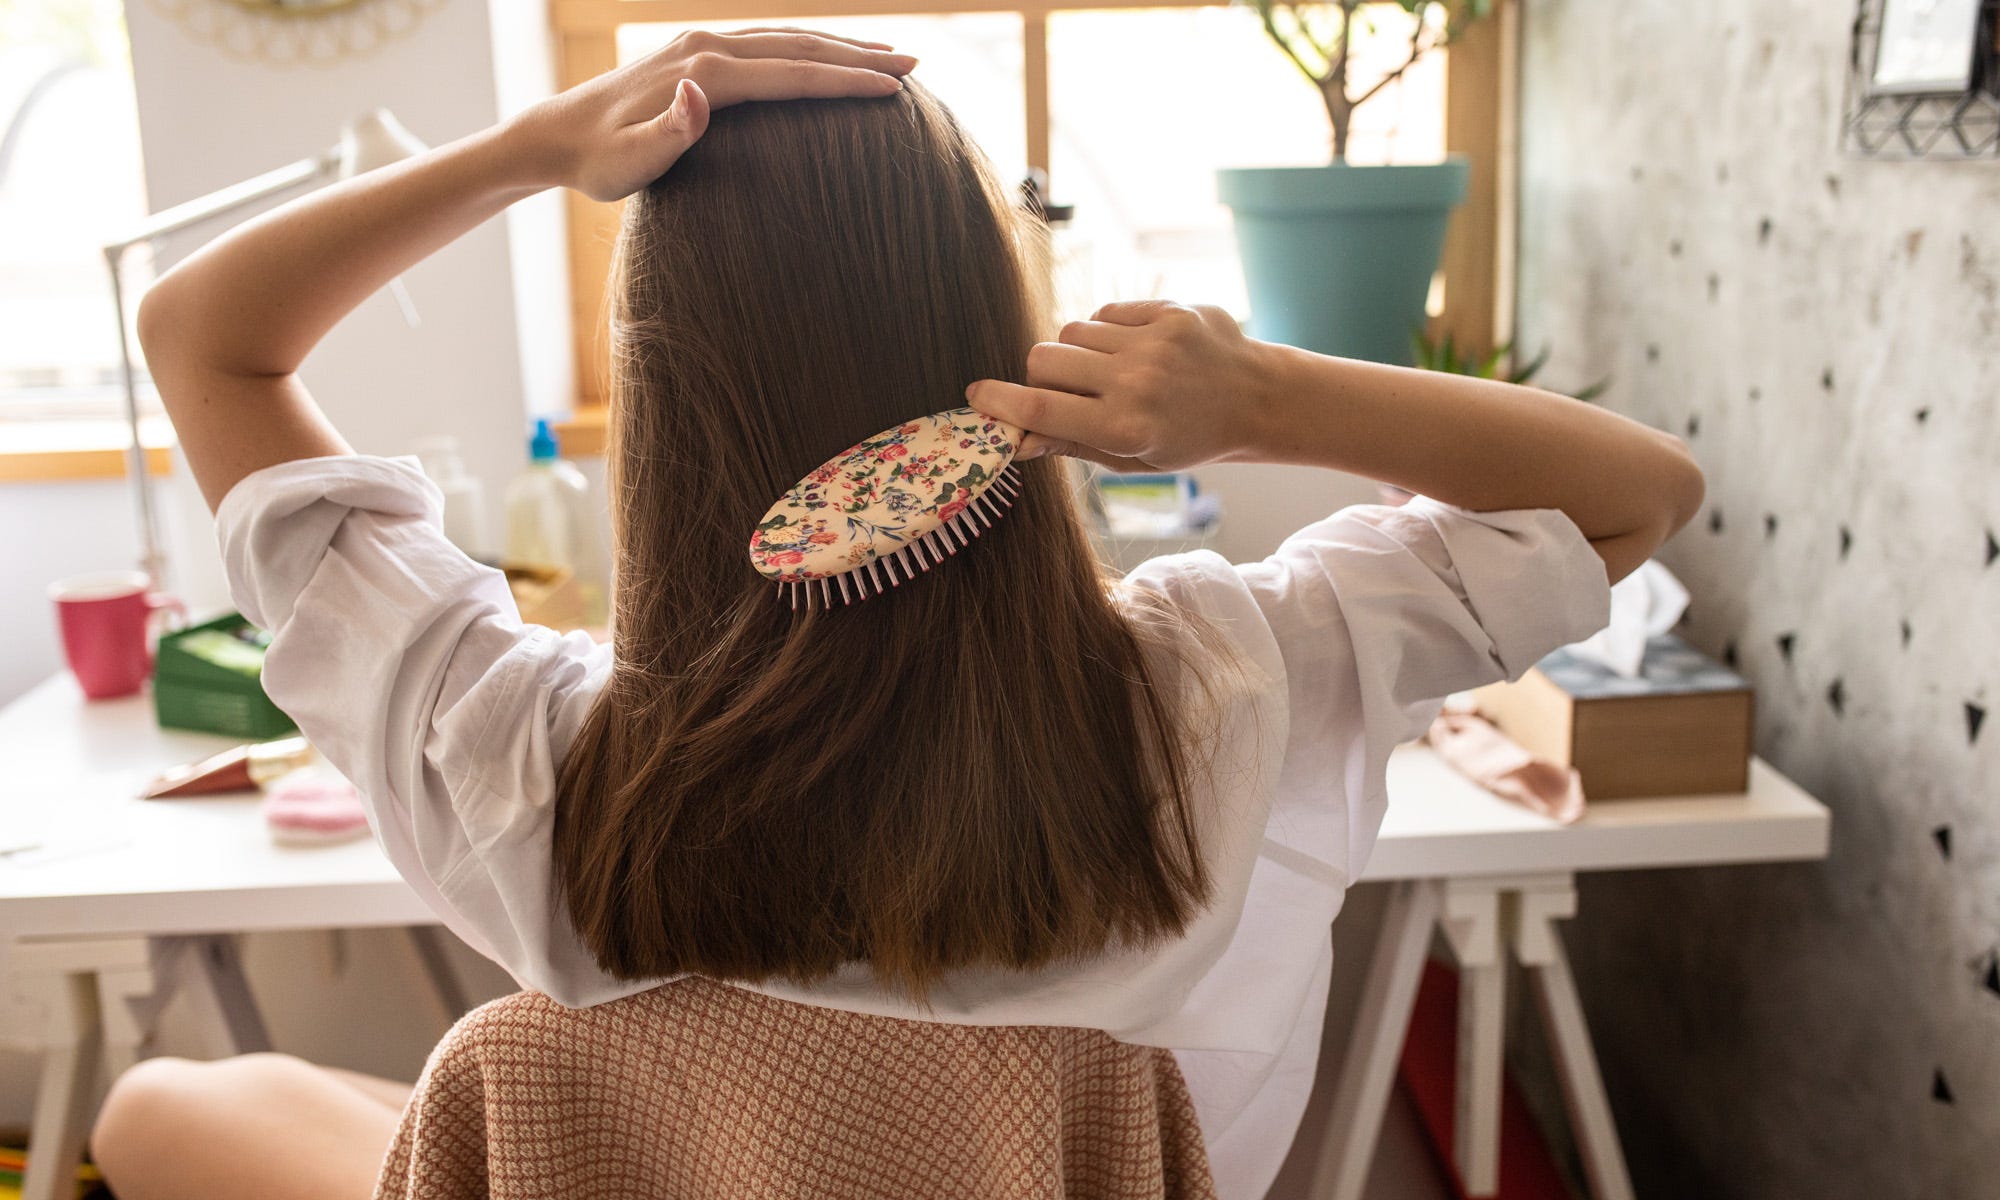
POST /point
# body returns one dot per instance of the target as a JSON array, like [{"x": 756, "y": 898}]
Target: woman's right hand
[
  {"x": 1146, "y": 385},
  {"x": 614, "y": 134}
]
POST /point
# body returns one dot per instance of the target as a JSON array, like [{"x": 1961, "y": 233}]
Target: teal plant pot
[{"x": 1339, "y": 259}]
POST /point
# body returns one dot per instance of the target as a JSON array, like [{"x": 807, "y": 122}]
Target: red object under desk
[{"x": 1429, "y": 1071}]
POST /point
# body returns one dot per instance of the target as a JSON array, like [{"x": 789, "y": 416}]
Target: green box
[{"x": 192, "y": 692}]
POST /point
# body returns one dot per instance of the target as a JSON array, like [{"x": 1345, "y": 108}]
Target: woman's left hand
[{"x": 620, "y": 131}]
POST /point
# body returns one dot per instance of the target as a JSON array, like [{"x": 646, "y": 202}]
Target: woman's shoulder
[
  {"x": 1200, "y": 580},
  {"x": 1199, "y": 621}
]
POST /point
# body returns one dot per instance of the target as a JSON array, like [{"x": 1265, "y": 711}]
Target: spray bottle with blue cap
[{"x": 550, "y": 522}]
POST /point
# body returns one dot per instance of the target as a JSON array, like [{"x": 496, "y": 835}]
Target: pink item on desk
[
  {"x": 107, "y": 626},
  {"x": 309, "y": 808},
  {"x": 1476, "y": 749}
]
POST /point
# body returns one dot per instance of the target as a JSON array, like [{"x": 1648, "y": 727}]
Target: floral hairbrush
[{"x": 887, "y": 507}]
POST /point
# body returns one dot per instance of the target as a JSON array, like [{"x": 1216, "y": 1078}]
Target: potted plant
[{"x": 1339, "y": 258}]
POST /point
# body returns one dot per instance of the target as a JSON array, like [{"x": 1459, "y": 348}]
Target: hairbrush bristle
[{"x": 878, "y": 575}]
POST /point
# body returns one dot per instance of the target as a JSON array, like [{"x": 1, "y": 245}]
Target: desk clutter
[
  {"x": 209, "y": 679},
  {"x": 1573, "y": 729},
  {"x": 1629, "y": 712},
  {"x": 14, "y": 1168},
  {"x": 1682, "y": 727},
  {"x": 305, "y": 801}
]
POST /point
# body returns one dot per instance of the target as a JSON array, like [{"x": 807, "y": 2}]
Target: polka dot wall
[{"x": 1825, "y": 334}]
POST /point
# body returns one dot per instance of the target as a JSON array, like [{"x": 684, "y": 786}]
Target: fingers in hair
[
  {"x": 730, "y": 80},
  {"x": 833, "y": 37},
  {"x": 816, "y": 47}
]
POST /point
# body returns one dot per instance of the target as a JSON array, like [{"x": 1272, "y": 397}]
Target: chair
[{"x": 701, "y": 1090}]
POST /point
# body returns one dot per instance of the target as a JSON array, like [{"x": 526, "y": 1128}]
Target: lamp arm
[
  {"x": 228, "y": 199},
  {"x": 151, "y": 560}
]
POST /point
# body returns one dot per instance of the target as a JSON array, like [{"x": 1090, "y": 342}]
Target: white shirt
[{"x": 407, "y": 665}]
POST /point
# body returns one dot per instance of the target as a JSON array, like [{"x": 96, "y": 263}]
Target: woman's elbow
[
  {"x": 1673, "y": 496},
  {"x": 1684, "y": 486},
  {"x": 160, "y": 316}
]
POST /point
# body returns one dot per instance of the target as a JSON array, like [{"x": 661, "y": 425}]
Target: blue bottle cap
[{"x": 542, "y": 447}]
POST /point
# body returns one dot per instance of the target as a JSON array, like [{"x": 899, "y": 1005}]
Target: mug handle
[
  {"x": 160, "y": 602},
  {"x": 171, "y": 613}
]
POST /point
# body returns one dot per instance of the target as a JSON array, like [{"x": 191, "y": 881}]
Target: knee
[
  {"x": 153, "y": 1108},
  {"x": 130, "y": 1123}
]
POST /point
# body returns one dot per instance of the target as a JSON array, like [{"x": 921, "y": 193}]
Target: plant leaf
[
  {"x": 1533, "y": 367},
  {"x": 1593, "y": 391}
]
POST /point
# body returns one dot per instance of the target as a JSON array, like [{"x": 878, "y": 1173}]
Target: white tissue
[{"x": 1643, "y": 604}]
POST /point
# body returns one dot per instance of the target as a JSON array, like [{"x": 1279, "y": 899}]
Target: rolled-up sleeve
[
  {"x": 1378, "y": 613},
  {"x": 407, "y": 665}
]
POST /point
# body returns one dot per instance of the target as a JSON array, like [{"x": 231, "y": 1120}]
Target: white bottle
[
  {"x": 550, "y": 523},
  {"x": 464, "y": 496}
]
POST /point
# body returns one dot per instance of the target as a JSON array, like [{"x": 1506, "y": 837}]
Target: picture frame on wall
[
  {"x": 1923, "y": 80},
  {"x": 1925, "y": 47}
]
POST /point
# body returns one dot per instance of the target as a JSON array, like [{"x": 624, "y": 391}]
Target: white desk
[
  {"x": 115, "y": 864},
  {"x": 1494, "y": 877},
  {"x": 126, "y": 898}
]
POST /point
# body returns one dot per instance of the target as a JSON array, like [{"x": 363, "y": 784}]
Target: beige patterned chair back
[{"x": 700, "y": 1091}]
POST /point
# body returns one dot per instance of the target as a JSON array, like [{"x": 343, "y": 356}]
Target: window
[
  {"x": 1107, "y": 96},
  {"x": 71, "y": 179},
  {"x": 1145, "y": 105}
]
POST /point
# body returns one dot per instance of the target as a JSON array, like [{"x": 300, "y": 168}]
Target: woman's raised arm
[
  {"x": 225, "y": 330},
  {"x": 1156, "y": 386}
]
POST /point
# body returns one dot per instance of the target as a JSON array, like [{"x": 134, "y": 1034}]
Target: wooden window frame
[{"x": 1479, "y": 117}]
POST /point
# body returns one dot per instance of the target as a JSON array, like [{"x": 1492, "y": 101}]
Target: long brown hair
[{"x": 976, "y": 769}]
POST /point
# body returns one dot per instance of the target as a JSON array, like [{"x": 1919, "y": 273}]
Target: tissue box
[
  {"x": 209, "y": 678},
  {"x": 1682, "y": 728}
]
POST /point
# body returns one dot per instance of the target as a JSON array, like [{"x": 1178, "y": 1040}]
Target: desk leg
[
  {"x": 73, "y": 1045},
  {"x": 1471, "y": 921},
  {"x": 224, "y": 1007},
  {"x": 222, "y": 963},
  {"x": 1540, "y": 948},
  {"x": 52, "y": 984},
  {"x": 429, "y": 942},
  {"x": 1369, "y": 1068},
  {"x": 124, "y": 1004}
]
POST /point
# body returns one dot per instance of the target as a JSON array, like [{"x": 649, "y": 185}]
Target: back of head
[{"x": 972, "y": 769}]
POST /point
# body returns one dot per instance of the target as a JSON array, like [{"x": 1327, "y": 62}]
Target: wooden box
[
  {"x": 1683, "y": 727},
  {"x": 545, "y": 595}
]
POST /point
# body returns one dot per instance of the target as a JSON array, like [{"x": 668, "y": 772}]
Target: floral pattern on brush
[{"x": 881, "y": 494}]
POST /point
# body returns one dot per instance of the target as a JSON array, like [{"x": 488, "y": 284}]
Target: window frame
[
  {"x": 1479, "y": 117},
  {"x": 40, "y": 445}
]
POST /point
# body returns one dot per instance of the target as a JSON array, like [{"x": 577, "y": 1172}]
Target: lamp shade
[{"x": 375, "y": 140}]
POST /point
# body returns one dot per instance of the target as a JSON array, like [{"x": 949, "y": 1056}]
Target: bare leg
[
  {"x": 268, "y": 1126},
  {"x": 387, "y": 1091}
]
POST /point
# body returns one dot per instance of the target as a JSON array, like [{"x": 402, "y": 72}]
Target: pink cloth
[
  {"x": 305, "y": 808},
  {"x": 1479, "y": 751}
]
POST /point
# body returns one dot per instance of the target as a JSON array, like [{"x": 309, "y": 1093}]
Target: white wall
[
  {"x": 208, "y": 120},
  {"x": 1261, "y": 504},
  {"x": 1825, "y": 331}
]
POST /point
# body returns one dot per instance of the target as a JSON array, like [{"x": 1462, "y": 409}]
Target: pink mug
[{"x": 107, "y": 626}]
